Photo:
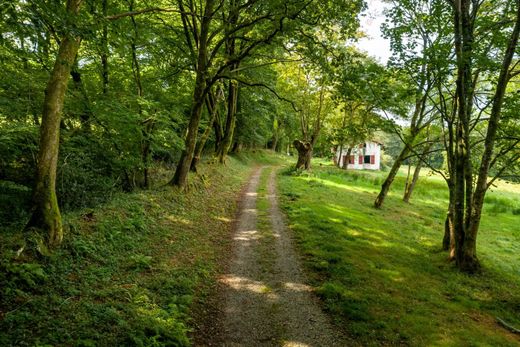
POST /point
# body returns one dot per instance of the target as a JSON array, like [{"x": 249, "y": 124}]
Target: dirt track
[{"x": 264, "y": 298}]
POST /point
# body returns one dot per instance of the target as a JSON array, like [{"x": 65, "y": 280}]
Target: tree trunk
[
  {"x": 349, "y": 152},
  {"x": 407, "y": 181},
  {"x": 385, "y": 188},
  {"x": 462, "y": 176},
  {"x": 46, "y": 214},
  {"x": 448, "y": 241},
  {"x": 411, "y": 185},
  {"x": 275, "y": 143},
  {"x": 467, "y": 255},
  {"x": 340, "y": 154},
  {"x": 304, "y": 154},
  {"x": 180, "y": 178},
  {"x": 85, "y": 116},
  {"x": 104, "y": 49},
  {"x": 217, "y": 127},
  {"x": 147, "y": 125},
  {"x": 146, "y": 150},
  {"x": 212, "y": 106},
  {"x": 229, "y": 130},
  {"x": 233, "y": 87},
  {"x": 237, "y": 147}
]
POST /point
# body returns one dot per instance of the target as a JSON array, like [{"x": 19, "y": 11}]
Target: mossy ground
[
  {"x": 382, "y": 274},
  {"x": 130, "y": 271}
]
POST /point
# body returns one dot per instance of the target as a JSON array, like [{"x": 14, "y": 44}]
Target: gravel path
[{"x": 265, "y": 299}]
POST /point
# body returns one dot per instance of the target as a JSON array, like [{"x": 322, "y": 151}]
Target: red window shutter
[
  {"x": 360, "y": 159},
  {"x": 372, "y": 159},
  {"x": 352, "y": 160}
]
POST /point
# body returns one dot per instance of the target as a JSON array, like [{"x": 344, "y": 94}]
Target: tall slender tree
[{"x": 45, "y": 215}]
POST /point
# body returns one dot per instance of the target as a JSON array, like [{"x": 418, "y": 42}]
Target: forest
[{"x": 130, "y": 130}]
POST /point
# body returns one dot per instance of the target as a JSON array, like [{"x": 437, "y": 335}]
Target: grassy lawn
[
  {"x": 130, "y": 272},
  {"x": 382, "y": 274}
]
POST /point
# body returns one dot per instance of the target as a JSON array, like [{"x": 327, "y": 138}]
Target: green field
[{"x": 382, "y": 274}]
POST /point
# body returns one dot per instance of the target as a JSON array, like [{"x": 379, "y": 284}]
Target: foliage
[{"x": 131, "y": 271}]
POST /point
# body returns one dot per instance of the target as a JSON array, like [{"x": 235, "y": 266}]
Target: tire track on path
[{"x": 265, "y": 299}]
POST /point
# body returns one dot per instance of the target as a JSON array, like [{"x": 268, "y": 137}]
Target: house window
[
  {"x": 351, "y": 160},
  {"x": 367, "y": 159}
]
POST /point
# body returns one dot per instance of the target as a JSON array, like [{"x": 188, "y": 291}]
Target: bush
[
  {"x": 87, "y": 174},
  {"x": 14, "y": 202}
]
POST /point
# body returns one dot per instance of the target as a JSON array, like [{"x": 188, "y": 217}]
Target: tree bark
[
  {"x": 46, "y": 215},
  {"x": 233, "y": 88},
  {"x": 212, "y": 106},
  {"x": 340, "y": 154},
  {"x": 304, "y": 154},
  {"x": 305, "y": 147},
  {"x": 146, "y": 149},
  {"x": 104, "y": 49},
  {"x": 86, "y": 114},
  {"x": 237, "y": 147},
  {"x": 274, "y": 143},
  {"x": 469, "y": 261},
  {"x": 229, "y": 129},
  {"x": 462, "y": 179},
  {"x": 448, "y": 241},
  {"x": 147, "y": 125},
  {"x": 180, "y": 179},
  {"x": 349, "y": 152},
  {"x": 385, "y": 187},
  {"x": 410, "y": 186}
]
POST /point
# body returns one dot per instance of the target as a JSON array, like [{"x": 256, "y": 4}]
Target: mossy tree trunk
[
  {"x": 45, "y": 217},
  {"x": 306, "y": 146},
  {"x": 304, "y": 154},
  {"x": 180, "y": 178}
]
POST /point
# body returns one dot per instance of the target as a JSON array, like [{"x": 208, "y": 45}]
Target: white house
[{"x": 365, "y": 156}]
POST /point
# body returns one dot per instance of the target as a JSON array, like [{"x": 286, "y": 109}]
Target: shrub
[{"x": 14, "y": 202}]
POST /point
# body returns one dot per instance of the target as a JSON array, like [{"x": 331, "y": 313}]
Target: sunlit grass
[{"x": 382, "y": 274}]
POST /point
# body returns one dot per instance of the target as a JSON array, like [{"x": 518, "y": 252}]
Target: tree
[
  {"x": 467, "y": 195},
  {"x": 414, "y": 23},
  {"x": 361, "y": 86},
  {"x": 46, "y": 213},
  {"x": 247, "y": 26}
]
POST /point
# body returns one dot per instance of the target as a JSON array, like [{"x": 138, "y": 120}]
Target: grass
[
  {"x": 382, "y": 274},
  {"x": 130, "y": 272}
]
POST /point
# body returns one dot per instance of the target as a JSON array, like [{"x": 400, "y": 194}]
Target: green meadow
[{"x": 382, "y": 274}]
